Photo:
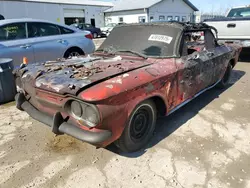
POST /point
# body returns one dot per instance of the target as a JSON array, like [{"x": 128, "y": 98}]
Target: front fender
[{"x": 115, "y": 117}]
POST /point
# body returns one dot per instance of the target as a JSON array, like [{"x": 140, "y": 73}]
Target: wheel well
[
  {"x": 72, "y": 49},
  {"x": 232, "y": 62},
  {"x": 160, "y": 105}
]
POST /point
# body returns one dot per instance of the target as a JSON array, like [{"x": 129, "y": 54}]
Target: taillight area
[{"x": 89, "y": 36}]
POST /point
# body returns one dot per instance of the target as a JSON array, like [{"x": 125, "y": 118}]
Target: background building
[
  {"x": 134, "y": 11},
  {"x": 61, "y": 11}
]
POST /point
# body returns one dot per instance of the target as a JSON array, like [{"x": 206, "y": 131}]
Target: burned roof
[
  {"x": 154, "y": 39},
  {"x": 181, "y": 25}
]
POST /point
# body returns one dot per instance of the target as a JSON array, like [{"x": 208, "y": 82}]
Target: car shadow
[
  {"x": 245, "y": 55},
  {"x": 177, "y": 119}
]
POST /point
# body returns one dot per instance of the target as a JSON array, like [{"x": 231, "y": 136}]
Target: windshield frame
[{"x": 176, "y": 46}]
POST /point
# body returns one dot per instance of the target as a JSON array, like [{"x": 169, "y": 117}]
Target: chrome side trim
[{"x": 187, "y": 101}]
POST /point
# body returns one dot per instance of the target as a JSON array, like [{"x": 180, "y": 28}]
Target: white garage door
[{"x": 74, "y": 13}]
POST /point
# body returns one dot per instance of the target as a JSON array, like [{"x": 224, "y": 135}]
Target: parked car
[
  {"x": 116, "y": 94},
  {"x": 234, "y": 28},
  {"x": 108, "y": 28},
  {"x": 39, "y": 40},
  {"x": 96, "y": 32}
]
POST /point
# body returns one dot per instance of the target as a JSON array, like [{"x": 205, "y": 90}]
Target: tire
[
  {"x": 73, "y": 52},
  {"x": 226, "y": 78},
  {"x": 95, "y": 35},
  {"x": 140, "y": 127},
  {"x": 19, "y": 98}
]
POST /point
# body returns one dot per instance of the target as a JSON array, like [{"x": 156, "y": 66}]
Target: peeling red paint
[{"x": 117, "y": 85}]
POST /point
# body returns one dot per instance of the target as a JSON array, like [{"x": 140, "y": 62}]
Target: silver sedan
[{"x": 39, "y": 41}]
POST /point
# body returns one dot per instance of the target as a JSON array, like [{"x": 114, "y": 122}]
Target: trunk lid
[{"x": 71, "y": 76}]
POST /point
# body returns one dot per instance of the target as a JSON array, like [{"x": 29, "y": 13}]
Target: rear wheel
[
  {"x": 73, "y": 52},
  {"x": 226, "y": 78},
  {"x": 140, "y": 127}
]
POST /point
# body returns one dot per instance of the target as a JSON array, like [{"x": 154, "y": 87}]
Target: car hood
[{"x": 72, "y": 76}]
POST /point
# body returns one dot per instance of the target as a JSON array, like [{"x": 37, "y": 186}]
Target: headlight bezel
[{"x": 83, "y": 119}]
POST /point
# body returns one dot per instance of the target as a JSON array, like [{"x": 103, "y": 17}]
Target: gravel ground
[
  {"x": 206, "y": 144},
  {"x": 98, "y": 42}
]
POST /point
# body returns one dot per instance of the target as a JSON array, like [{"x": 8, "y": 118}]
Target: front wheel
[
  {"x": 226, "y": 78},
  {"x": 140, "y": 127}
]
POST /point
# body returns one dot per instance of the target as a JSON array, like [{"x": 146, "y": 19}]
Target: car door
[
  {"x": 47, "y": 41},
  {"x": 14, "y": 43},
  {"x": 192, "y": 76},
  {"x": 194, "y": 72},
  {"x": 218, "y": 55}
]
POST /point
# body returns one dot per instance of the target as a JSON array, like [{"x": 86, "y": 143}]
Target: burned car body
[{"x": 116, "y": 94}]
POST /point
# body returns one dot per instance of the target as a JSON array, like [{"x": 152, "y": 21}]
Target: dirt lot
[{"x": 204, "y": 144}]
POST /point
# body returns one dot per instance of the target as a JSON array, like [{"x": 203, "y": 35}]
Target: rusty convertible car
[{"x": 116, "y": 94}]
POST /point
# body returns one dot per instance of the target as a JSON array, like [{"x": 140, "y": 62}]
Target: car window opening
[
  {"x": 239, "y": 12},
  {"x": 197, "y": 42}
]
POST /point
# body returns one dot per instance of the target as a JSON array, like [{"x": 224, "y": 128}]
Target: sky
[{"x": 218, "y": 6}]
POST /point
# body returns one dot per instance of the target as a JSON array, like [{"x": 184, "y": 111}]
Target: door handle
[
  {"x": 26, "y": 46},
  {"x": 231, "y": 25},
  {"x": 61, "y": 41},
  {"x": 197, "y": 56},
  {"x": 210, "y": 54}
]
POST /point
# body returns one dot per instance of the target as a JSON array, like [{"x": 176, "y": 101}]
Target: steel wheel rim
[{"x": 140, "y": 125}]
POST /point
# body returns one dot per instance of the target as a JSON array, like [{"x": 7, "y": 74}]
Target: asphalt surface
[{"x": 206, "y": 144}]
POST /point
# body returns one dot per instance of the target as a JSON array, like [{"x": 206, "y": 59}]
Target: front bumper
[{"x": 59, "y": 125}]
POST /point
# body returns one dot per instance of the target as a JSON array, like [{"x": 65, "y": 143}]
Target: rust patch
[
  {"x": 70, "y": 76},
  {"x": 150, "y": 87}
]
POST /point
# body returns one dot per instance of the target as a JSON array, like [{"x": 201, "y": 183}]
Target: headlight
[
  {"x": 76, "y": 109},
  {"x": 83, "y": 112},
  {"x": 92, "y": 116}
]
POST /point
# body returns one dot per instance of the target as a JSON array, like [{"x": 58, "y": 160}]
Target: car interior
[
  {"x": 197, "y": 42},
  {"x": 42, "y": 29},
  {"x": 12, "y": 32}
]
